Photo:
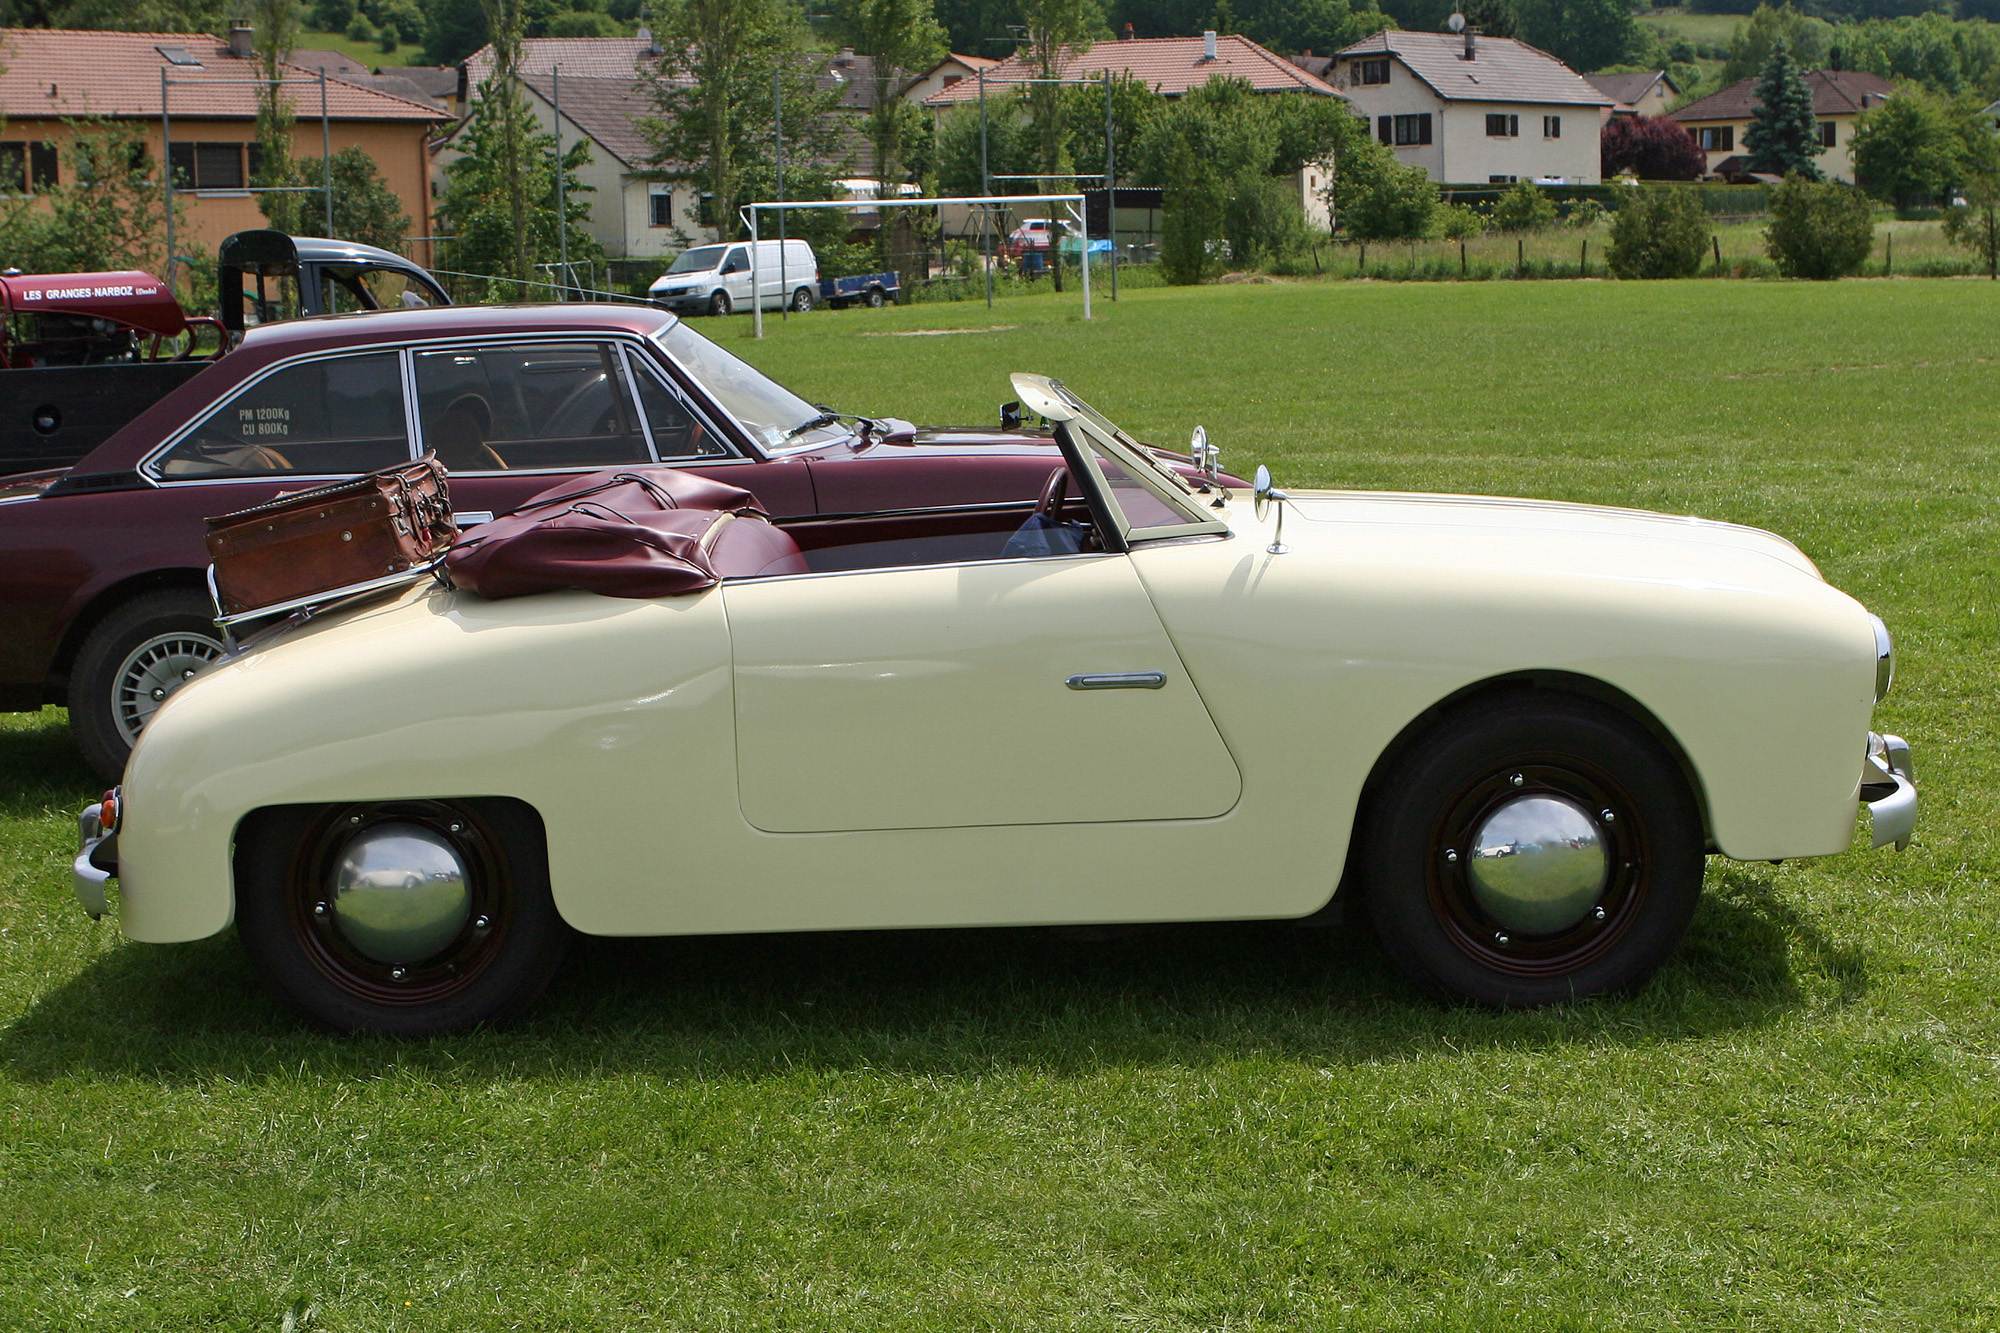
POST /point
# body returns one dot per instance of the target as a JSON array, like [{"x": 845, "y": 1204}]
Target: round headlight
[{"x": 1885, "y": 659}]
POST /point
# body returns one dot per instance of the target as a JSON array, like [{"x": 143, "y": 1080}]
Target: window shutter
[
  {"x": 1424, "y": 128},
  {"x": 1383, "y": 130}
]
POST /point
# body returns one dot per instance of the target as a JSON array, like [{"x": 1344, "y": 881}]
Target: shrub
[
  {"x": 1460, "y": 222},
  {"x": 1588, "y": 213},
  {"x": 1660, "y": 231},
  {"x": 1377, "y": 198},
  {"x": 1819, "y": 229},
  {"x": 1524, "y": 208}
]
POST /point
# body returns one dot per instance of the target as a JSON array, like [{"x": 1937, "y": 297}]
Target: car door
[
  {"x": 736, "y": 274},
  {"x": 1030, "y": 691}
]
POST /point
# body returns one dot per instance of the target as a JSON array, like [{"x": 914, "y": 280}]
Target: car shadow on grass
[{"x": 935, "y": 1002}]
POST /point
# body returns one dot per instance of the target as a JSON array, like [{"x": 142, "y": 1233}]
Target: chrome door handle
[{"x": 1121, "y": 680}]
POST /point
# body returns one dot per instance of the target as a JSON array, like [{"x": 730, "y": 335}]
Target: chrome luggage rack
[{"x": 298, "y": 610}]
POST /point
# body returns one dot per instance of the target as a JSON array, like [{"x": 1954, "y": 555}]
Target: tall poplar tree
[
  {"x": 1057, "y": 31},
  {"x": 903, "y": 38},
  {"x": 510, "y": 122},
  {"x": 277, "y": 31},
  {"x": 1783, "y": 138}
]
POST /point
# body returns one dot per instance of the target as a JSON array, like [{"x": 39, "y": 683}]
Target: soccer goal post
[{"x": 988, "y": 202}]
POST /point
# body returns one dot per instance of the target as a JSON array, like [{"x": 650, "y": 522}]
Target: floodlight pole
[
  {"x": 167, "y": 170},
  {"x": 326, "y": 152},
  {"x": 985, "y": 188},
  {"x": 1110, "y": 194},
  {"x": 778, "y": 135},
  {"x": 562, "y": 197}
]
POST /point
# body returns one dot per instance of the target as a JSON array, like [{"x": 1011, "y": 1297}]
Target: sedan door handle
[{"x": 1121, "y": 680}]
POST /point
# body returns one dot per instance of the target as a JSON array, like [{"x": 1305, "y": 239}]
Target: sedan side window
[
  {"x": 531, "y": 405},
  {"x": 331, "y": 417},
  {"x": 677, "y": 432}
]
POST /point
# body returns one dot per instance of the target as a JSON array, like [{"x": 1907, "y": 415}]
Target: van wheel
[
  {"x": 135, "y": 657},
  {"x": 802, "y": 299},
  {"x": 876, "y": 298},
  {"x": 718, "y": 304}
]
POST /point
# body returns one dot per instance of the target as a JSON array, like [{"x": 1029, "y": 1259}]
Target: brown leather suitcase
[{"x": 331, "y": 538}]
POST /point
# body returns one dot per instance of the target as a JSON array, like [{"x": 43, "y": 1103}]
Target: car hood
[{"x": 1582, "y": 538}]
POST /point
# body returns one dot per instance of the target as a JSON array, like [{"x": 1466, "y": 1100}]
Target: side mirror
[
  {"x": 1265, "y": 495},
  {"x": 1010, "y": 416}
]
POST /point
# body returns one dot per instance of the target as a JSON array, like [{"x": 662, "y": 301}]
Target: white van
[{"x": 716, "y": 278}]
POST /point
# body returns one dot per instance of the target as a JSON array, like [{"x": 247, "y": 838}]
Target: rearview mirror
[
  {"x": 1010, "y": 416},
  {"x": 1265, "y": 495}
]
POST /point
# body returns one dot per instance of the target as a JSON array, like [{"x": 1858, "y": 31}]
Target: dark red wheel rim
[
  {"x": 443, "y": 974},
  {"x": 1557, "y": 953}
]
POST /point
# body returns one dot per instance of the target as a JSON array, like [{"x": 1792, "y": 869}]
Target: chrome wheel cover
[
  {"x": 399, "y": 892},
  {"x": 152, "y": 671},
  {"x": 1538, "y": 864}
]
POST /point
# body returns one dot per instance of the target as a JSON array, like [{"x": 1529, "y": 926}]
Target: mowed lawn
[{"x": 1796, "y": 1126}]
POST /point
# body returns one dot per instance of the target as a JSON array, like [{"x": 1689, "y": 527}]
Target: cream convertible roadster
[{"x": 1511, "y": 728}]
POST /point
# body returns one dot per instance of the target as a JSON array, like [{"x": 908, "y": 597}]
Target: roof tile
[
  {"x": 1502, "y": 70},
  {"x": 1170, "y": 65},
  {"x": 1835, "y": 92}
]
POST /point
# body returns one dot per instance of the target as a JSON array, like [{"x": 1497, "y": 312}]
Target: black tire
[
  {"x": 802, "y": 300},
  {"x": 129, "y": 662},
  {"x": 1417, "y": 864},
  {"x": 877, "y": 298},
  {"x": 718, "y": 303},
  {"x": 501, "y": 957}
]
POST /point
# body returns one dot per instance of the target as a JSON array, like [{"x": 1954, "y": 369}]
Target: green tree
[
  {"x": 1192, "y": 204},
  {"x": 1819, "y": 229},
  {"x": 505, "y": 159},
  {"x": 365, "y": 209},
  {"x": 1659, "y": 231},
  {"x": 105, "y": 214},
  {"x": 1583, "y": 34},
  {"x": 904, "y": 39},
  {"x": 1056, "y": 32},
  {"x": 1915, "y": 145},
  {"x": 1809, "y": 39},
  {"x": 1377, "y": 198},
  {"x": 1525, "y": 207},
  {"x": 453, "y": 30},
  {"x": 712, "y": 94},
  {"x": 277, "y": 28},
  {"x": 1783, "y": 138},
  {"x": 1976, "y": 224}
]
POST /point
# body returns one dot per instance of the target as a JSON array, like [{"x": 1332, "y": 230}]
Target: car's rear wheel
[
  {"x": 1532, "y": 851},
  {"x": 718, "y": 304},
  {"x": 802, "y": 299},
  {"x": 406, "y": 917},
  {"x": 140, "y": 653}
]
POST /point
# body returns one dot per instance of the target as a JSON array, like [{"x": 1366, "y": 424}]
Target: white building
[{"x": 1474, "y": 110}]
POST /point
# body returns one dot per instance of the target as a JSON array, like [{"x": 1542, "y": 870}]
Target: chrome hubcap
[
  {"x": 154, "y": 670},
  {"x": 1538, "y": 864},
  {"x": 399, "y": 893}
]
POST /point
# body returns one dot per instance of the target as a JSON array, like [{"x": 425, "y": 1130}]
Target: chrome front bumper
[
  {"x": 1889, "y": 791},
  {"x": 96, "y": 860}
]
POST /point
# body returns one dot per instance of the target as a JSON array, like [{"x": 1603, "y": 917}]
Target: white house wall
[{"x": 1472, "y": 156}]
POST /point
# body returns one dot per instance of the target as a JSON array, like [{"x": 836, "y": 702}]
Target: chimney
[
  {"x": 1208, "y": 45},
  {"x": 846, "y": 57},
  {"x": 653, "y": 50},
  {"x": 242, "y": 40},
  {"x": 1127, "y": 35},
  {"x": 1471, "y": 50}
]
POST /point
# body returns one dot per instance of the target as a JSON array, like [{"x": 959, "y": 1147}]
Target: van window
[
  {"x": 328, "y": 417},
  {"x": 699, "y": 260}
]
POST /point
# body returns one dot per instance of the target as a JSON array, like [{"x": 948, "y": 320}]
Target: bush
[
  {"x": 1587, "y": 214},
  {"x": 1819, "y": 229},
  {"x": 1650, "y": 147},
  {"x": 1192, "y": 205},
  {"x": 1661, "y": 231},
  {"x": 1460, "y": 222},
  {"x": 1524, "y": 208}
]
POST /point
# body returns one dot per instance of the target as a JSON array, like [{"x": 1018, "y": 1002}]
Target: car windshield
[
  {"x": 698, "y": 260},
  {"x": 1143, "y": 453},
  {"x": 767, "y": 409}
]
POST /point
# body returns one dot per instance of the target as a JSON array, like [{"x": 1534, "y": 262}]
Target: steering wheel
[{"x": 1055, "y": 491}]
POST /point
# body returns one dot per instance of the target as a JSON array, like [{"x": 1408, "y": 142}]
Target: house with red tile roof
[
  {"x": 1170, "y": 66},
  {"x": 1839, "y": 96},
  {"x": 952, "y": 69},
  {"x": 1471, "y": 109},
  {"x": 51, "y": 78}
]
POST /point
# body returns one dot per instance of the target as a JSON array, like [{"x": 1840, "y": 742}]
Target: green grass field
[{"x": 1797, "y": 1126}]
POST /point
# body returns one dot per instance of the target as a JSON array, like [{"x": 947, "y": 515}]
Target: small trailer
[{"x": 874, "y": 289}]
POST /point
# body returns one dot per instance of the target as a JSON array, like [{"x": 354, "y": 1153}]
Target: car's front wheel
[
  {"x": 141, "y": 652},
  {"x": 1536, "y": 850},
  {"x": 877, "y": 298},
  {"x": 406, "y": 917},
  {"x": 718, "y": 304}
]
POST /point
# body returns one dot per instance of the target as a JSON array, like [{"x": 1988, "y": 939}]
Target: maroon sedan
[{"x": 103, "y": 604}]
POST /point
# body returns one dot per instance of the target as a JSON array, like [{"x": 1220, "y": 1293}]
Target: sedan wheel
[
  {"x": 404, "y": 917},
  {"x": 802, "y": 299},
  {"x": 1533, "y": 852},
  {"x": 718, "y": 304},
  {"x": 129, "y": 663}
]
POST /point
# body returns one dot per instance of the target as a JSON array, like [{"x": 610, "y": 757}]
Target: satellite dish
[{"x": 1456, "y": 23}]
